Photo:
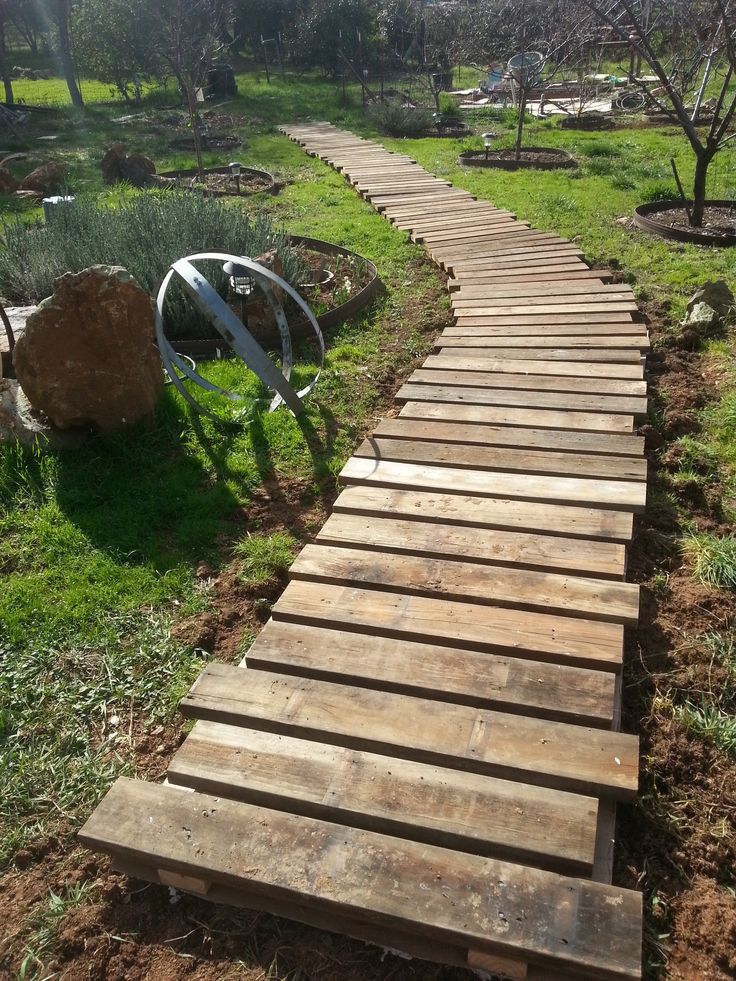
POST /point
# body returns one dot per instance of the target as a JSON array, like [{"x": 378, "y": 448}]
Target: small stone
[{"x": 714, "y": 294}]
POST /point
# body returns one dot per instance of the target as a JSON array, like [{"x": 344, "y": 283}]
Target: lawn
[{"x": 128, "y": 563}]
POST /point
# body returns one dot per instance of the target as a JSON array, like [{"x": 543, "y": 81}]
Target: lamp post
[{"x": 235, "y": 169}]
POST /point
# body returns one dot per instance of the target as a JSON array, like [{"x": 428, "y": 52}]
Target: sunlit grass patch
[
  {"x": 713, "y": 559},
  {"x": 265, "y": 557},
  {"x": 709, "y": 722}
]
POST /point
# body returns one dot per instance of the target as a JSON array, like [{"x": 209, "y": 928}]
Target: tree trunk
[
  {"x": 65, "y": 53},
  {"x": 191, "y": 98},
  {"x": 702, "y": 162},
  {"x": 520, "y": 128}
]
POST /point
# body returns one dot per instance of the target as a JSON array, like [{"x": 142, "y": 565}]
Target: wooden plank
[
  {"x": 435, "y": 391},
  {"x": 612, "y": 355},
  {"x": 495, "y": 547},
  {"x": 548, "y": 691},
  {"x": 510, "y": 587},
  {"x": 551, "y": 383},
  {"x": 482, "y": 228},
  {"x": 535, "y": 318},
  {"x": 630, "y": 329},
  {"x": 610, "y": 494},
  {"x": 542, "y": 753},
  {"x": 568, "y": 272},
  {"x": 590, "y": 927},
  {"x": 461, "y": 361},
  {"x": 551, "y": 829},
  {"x": 469, "y": 626},
  {"x": 573, "y": 289},
  {"x": 479, "y": 512},
  {"x": 559, "y": 440},
  {"x": 491, "y": 964},
  {"x": 614, "y": 343},
  {"x": 422, "y": 404},
  {"x": 477, "y": 456}
]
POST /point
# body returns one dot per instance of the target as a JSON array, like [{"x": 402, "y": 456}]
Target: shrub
[
  {"x": 450, "y": 110},
  {"x": 398, "y": 120},
  {"x": 145, "y": 234}
]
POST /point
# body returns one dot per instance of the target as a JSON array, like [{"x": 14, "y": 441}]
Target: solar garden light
[
  {"x": 235, "y": 169},
  {"x": 487, "y": 142}
]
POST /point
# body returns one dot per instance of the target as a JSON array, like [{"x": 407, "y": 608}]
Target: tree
[
  {"x": 186, "y": 38},
  {"x": 329, "y": 32},
  {"x": 114, "y": 42},
  {"x": 59, "y": 10},
  {"x": 695, "y": 33}
]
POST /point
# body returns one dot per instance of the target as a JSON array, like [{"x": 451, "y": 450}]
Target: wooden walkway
[{"x": 422, "y": 747}]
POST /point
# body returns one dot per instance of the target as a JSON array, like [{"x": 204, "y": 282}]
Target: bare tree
[
  {"x": 695, "y": 35},
  {"x": 188, "y": 36}
]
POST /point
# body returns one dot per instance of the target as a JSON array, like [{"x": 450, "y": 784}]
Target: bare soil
[
  {"x": 716, "y": 221},
  {"x": 678, "y": 842}
]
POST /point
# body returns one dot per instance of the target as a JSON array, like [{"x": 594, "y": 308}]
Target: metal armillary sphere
[{"x": 235, "y": 332}]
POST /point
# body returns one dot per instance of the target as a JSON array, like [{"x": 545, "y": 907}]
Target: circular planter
[
  {"x": 588, "y": 122},
  {"x": 477, "y": 158},
  {"x": 300, "y": 329},
  {"x": 216, "y": 141},
  {"x": 645, "y": 217},
  {"x": 269, "y": 184}
]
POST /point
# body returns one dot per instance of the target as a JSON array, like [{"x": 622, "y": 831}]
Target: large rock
[
  {"x": 714, "y": 294},
  {"x": 44, "y": 179},
  {"x": 117, "y": 166},
  {"x": 87, "y": 356}
]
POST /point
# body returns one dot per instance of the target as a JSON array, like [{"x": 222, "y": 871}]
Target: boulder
[
  {"x": 714, "y": 294},
  {"x": 8, "y": 183},
  {"x": 117, "y": 166},
  {"x": 46, "y": 178},
  {"x": 137, "y": 169},
  {"x": 87, "y": 356},
  {"x": 110, "y": 163}
]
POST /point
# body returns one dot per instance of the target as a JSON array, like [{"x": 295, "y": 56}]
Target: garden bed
[
  {"x": 219, "y": 182},
  {"x": 532, "y": 157},
  {"x": 354, "y": 283},
  {"x": 588, "y": 122},
  {"x": 216, "y": 141},
  {"x": 668, "y": 219}
]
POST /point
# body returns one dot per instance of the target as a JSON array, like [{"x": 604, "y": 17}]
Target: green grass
[
  {"x": 713, "y": 559},
  {"x": 265, "y": 557},
  {"x": 710, "y": 723}
]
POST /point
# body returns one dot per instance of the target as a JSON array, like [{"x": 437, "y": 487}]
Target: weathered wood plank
[
  {"x": 550, "y": 383},
  {"x": 559, "y": 440},
  {"x": 470, "y": 626},
  {"x": 436, "y": 390},
  {"x": 591, "y": 927},
  {"x": 478, "y": 456},
  {"x": 613, "y": 494},
  {"x": 540, "y": 752},
  {"x": 510, "y": 587},
  {"x": 440, "y": 406},
  {"x": 551, "y": 829},
  {"x": 461, "y": 361},
  {"x": 547, "y": 691}
]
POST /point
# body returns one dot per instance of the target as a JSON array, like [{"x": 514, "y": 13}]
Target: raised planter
[
  {"x": 249, "y": 175},
  {"x": 549, "y": 158},
  {"x": 300, "y": 329},
  {"x": 588, "y": 122},
  {"x": 215, "y": 141},
  {"x": 645, "y": 217}
]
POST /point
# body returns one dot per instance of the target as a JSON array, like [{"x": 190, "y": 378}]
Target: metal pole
[{"x": 265, "y": 60}]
